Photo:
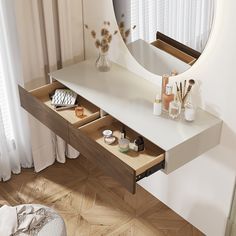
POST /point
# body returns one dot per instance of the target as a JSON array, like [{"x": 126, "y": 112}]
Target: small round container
[
  {"x": 109, "y": 140},
  {"x": 124, "y": 145},
  {"x": 107, "y": 133},
  {"x": 79, "y": 112},
  {"x": 133, "y": 146}
]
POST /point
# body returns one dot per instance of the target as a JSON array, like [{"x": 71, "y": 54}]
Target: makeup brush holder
[{"x": 183, "y": 103}]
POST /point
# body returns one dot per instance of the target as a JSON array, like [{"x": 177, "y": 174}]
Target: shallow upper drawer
[{"x": 38, "y": 103}]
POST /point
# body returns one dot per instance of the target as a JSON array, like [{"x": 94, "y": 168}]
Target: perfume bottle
[
  {"x": 168, "y": 97},
  {"x": 174, "y": 108},
  {"x": 157, "y": 106},
  {"x": 165, "y": 81}
]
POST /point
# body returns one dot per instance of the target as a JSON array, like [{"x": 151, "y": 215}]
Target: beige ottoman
[{"x": 55, "y": 227}]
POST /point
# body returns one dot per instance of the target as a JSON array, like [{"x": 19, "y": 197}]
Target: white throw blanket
[{"x": 24, "y": 220}]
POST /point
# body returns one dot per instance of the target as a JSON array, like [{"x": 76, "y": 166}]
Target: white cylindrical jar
[
  {"x": 189, "y": 112},
  {"x": 157, "y": 106}
]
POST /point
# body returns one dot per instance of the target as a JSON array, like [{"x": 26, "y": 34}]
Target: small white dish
[
  {"x": 109, "y": 140},
  {"x": 107, "y": 133}
]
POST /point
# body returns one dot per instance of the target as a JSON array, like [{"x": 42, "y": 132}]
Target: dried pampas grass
[{"x": 103, "y": 44}]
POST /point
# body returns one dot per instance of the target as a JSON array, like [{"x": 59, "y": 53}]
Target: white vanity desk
[{"x": 129, "y": 99}]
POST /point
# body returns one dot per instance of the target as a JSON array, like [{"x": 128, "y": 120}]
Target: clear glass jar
[
  {"x": 189, "y": 112},
  {"x": 124, "y": 145},
  {"x": 102, "y": 63}
]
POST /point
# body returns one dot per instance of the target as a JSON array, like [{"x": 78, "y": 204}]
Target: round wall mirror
[{"x": 165, "y": 36}]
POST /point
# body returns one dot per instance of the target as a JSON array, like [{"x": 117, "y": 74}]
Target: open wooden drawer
[
  {"x": 85, "y": 135},
  {"x": 38, "y": 103},
  {"x": 127, "y": 168}
]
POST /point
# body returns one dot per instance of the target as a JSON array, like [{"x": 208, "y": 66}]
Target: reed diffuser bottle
[{"x": 175, "y": 108}]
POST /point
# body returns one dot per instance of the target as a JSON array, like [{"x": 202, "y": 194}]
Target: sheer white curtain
[
  {"x": 15, "y": 148},
  {"x": 50, "y": 37},
  {"x": 36, "y": 37},
  {"x": 187, "y": 21}
]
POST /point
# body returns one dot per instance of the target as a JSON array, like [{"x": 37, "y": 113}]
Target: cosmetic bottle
[
  {"x": 168, "y": 97},
  {"x": 175, "y": 108},
  {"x": 165, "y": 81},
  {"x": 139, "y": 142},
  {"x": 123, "y": 133},
  {"x": 157, "y": 106}
]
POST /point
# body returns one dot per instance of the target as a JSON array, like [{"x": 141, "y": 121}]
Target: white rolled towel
[{"x": 8, "y": 220}]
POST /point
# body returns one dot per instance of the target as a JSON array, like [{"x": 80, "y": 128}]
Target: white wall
[
  {"x": 201, "y": 191},
  {"x": 231, "y": 229}
]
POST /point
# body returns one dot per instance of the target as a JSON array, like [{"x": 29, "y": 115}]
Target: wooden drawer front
[
  {"x": 44, "y": 114},
  {"x": 105, "y": 160},
  {"x": 126, "y": 168},
  {"x": 38, "y": 103}
]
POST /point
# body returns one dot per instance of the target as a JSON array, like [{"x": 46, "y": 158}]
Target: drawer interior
[
  {"x": 138, "y": 161},
  {"x": 91, "y": 112}
]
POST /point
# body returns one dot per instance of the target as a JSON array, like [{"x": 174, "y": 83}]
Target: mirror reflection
[{"x": 165, "y": 36}]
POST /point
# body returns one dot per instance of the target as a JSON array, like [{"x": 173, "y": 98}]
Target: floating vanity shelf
[{"x": 127, "y": 98}]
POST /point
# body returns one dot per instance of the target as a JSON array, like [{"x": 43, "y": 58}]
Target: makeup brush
[
  {"x": 178, "y": 94},
  {"x": 181, "y": 91},
  {"x": 191, "y": 83},
  {"x": 65, "y": 108},
  {"x": 185, "y": 84}
]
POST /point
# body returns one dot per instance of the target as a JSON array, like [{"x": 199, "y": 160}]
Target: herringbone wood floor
[{"x": 91, "y": 203}]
